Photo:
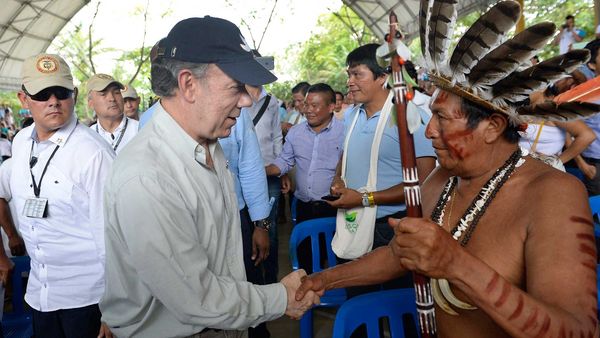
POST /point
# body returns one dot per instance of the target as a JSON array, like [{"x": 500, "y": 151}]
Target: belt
[
  {"x": 591, "y": 160},
  {"x": 314, "y": 203}
]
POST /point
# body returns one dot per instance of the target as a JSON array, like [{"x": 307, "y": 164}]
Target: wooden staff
[{"x": 412, "y": 191}]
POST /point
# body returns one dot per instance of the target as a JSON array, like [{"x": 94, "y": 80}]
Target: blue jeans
[{"x": 271, "y": 264}]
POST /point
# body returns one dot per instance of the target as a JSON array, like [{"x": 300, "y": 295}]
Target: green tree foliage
[{"x": 322, "y": 58}]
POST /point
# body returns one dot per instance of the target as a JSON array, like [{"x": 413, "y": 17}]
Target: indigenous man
[{"x": 510, "y": 237}]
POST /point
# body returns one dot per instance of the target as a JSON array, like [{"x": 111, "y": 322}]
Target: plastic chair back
[
  {"x": 18, "y": 322},
  {"x": 396, "y": 305},
  {"x": 595, "y": 207},
  {"x": 314, "y": 228}
]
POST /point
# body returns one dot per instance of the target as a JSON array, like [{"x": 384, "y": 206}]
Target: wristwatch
[
  {"x": 264, "y": 224},
  {"x": 367, "y": 199}
]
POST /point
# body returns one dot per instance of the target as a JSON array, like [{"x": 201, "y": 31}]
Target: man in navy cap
[{"x": 174, "y": 262}]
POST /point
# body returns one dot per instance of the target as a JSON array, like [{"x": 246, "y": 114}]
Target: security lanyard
[
  {"x": 37, "y": 188},
  {"x": 120, "y": 136}
]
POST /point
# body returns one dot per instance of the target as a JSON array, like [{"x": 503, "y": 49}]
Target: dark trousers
[
  {"x": 304, "y": 212},
  {"x": 593, "y": 185},
  {"x": 253, "y": 273},
  {"x": 271, "y": 264},
  {"x": 80, "y": 322}
]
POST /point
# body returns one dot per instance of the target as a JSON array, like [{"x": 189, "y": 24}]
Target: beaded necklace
[{"x": 468, "y": 222}]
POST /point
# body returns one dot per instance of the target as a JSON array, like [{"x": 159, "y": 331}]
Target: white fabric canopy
[{"x": 27, "y": 27}]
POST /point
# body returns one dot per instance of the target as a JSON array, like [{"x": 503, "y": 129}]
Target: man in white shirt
[
  {"x": 105, "y": 98},
  {"x": 56, "y": 183},
  {"x": 568, "y": 35},
  {"x": 174, "y": 260}
]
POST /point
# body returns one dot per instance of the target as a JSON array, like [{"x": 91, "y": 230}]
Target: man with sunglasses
[
  {"x": 105, "y": 97},
  {"x": 59, "y": 168}
]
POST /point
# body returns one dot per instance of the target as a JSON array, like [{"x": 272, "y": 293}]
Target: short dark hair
[
  {"x": 365, "y": 55},
  {"x": 324, "y": 89},
  {"x": 569, "y": 17},
  {"x": 341, "y": 94},
  {"x": 27, "y": 122},
  {"x": 301, "y": 87},
  {"x": 593, "y": 46},
  {"x": 476, "y": 113}
]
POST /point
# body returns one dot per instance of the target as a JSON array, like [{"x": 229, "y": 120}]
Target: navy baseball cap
[{"x": 218, "y": 41}]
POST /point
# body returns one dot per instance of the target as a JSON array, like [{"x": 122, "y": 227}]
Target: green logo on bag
[{"x": 351, "y": 224}]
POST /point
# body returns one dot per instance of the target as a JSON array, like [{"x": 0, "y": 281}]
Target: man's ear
[
  {"x": 23, "y": 98},
  {"x": 187, "y": 84},
  {"x": 381, "y": 79},
  {"x": 497, "y": 124}
]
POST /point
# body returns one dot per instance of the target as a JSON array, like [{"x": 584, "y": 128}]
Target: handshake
[{"x": 299, "y": 302}]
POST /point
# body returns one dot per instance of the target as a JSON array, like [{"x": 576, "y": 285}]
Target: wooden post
[{"x": 521, "y": 22}]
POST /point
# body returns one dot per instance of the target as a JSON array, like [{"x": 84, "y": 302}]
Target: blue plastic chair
[
  {"x": 312, "y": 228},
  {"x": 18, "y": 323},
  {"x": 595, "y": 207},
  {"x": 397, "y": 305}
]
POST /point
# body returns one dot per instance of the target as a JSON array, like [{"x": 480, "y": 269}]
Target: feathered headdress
[{"x": 490, "y": 73}]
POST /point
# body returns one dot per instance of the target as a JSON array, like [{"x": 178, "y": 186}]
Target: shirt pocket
[{"x": 58, "y": 189}]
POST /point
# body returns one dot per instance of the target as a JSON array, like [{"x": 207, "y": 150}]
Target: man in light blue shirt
[{"x": 366, "y": 82}]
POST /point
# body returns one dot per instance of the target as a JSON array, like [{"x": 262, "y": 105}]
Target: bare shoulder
[{"x": 548, "y": 187}]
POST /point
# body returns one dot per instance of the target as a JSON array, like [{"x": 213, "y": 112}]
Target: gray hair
[{"x": 165, "y": 72}]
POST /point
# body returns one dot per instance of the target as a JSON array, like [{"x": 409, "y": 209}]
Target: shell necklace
[{"x": 468, "y": 222}]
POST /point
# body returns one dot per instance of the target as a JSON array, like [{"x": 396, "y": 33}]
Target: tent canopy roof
[{"x": 27, "y": 27}]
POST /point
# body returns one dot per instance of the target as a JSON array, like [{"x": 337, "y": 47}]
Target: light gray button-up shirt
[{"x": 174, "y": 262}]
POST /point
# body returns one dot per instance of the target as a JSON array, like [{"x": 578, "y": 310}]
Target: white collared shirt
[
  {"x": 125, "y": 131},
  {"x": 66, "y": 247}
]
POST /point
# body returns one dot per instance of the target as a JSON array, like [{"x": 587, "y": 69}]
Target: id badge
[{"x": 36, "y": 207}]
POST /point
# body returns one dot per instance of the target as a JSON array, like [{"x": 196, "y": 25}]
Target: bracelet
[{"x": 371, "y": 199}]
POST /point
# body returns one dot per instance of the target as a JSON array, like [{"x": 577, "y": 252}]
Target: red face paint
[
  {"x": 456, "y": 142},
  {"x": 441, "y": 97}
]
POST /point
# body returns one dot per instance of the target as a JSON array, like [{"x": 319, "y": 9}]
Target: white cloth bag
[{"x": 355, "y": 227}]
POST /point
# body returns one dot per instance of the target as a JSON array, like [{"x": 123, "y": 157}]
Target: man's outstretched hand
[
  {"x": 296, "y": 307},
  {"x": 313, "y": 283}
]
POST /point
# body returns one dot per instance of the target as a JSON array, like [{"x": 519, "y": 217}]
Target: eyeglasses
[{"x": 60, "y": 93}]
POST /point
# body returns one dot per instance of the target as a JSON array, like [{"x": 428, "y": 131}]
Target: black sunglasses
[{"x": 60, "y": 93}]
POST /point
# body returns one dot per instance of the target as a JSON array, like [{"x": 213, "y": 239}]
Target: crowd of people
[{"x": 164, "y": 223}]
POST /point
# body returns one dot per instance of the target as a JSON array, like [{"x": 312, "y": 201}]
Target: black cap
[{"x": 218, "y": 41}]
